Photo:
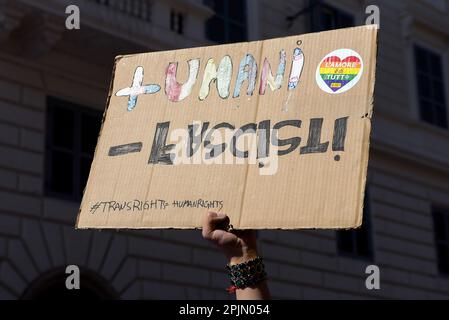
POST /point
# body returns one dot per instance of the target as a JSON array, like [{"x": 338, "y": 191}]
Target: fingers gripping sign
[{"x": 238, "y": 245}]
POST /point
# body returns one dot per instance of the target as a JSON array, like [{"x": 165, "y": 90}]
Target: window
[
  {"x": 430, "y": 82},
  {"x": 140, "y": 9},
  {"x": 441, "y": 230},
  {"x": 357, "y": 243},
  {"x": 176, "y": 22},
  {"x": 72, "y": 132},
  {"x": 229, "y": 22},
  {"x": 325, "y": 17}
]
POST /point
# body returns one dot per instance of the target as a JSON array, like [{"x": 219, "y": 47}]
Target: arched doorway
[{"x": 51, "y": 285}]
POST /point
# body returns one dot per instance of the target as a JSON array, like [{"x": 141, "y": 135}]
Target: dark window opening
[
  {"x": 71, "y": 137},
  {"x": 441, "y": 231},
  {"x": 358, "y": 243},
  {"x": 229, "y": 22},
  {"x": 430, "y": 87},
  {"x": 176, "y": 22},
  {"x": 325, "y": 17}
]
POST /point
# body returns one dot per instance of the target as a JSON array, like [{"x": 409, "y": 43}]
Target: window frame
[
  {"x": 416, "y": 98},
  {"x": 76, "y": 152}
]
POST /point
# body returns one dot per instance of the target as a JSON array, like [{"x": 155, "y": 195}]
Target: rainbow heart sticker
[{"x": 339, "y": 71}]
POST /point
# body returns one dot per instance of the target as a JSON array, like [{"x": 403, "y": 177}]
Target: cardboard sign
[{"x": 274, "y": 133}]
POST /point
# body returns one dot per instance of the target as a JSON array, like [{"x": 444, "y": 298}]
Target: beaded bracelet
[{"x": 246, "y": 274}]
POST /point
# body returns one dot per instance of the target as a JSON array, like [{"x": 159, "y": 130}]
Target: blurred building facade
[{"x": 48, "y": 72}]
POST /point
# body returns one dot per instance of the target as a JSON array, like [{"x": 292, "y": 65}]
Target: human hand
[{"x": 238, "y": 245}]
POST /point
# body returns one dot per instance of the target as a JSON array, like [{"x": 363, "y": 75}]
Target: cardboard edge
[
  {"x": 105, "y": 227},
  {"x": 212, "y": 46},
  {"x": 111, "y": 85},
  {"x": 200, "y": 228},
  {"x": 368, "y": 126}
]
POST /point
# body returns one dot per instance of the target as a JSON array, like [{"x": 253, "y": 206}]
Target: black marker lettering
[
  {"x": 195, "y": 140},
  {"x": 293, "y": 142},
  {"x": 340, "y": 127},
  {"x": 247, "y": 128},
  {"x": 159, "y": 150},
  {"x": 313, "y": 142},
  {"x": 216, "y": 149},
  {"x": 124, "y": 149}
]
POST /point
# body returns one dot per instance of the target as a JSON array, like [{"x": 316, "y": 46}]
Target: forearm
[{"x": 257, "y": 292}]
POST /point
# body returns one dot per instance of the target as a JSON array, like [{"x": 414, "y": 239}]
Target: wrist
[
  {"x": 244, "y": 255},
  {"x": 247, "y": 275}
]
